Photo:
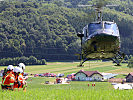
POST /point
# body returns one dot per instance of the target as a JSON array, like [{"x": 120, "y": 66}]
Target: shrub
[
  {"x": 130, "y": 63},
  {"x": 26, "y": 60}
]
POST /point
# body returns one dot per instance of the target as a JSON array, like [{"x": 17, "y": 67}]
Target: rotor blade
[
  {"x": 97, "y": 6},
  {"x": 85, "y": 5},
  {"x": 111, "y": 5}
]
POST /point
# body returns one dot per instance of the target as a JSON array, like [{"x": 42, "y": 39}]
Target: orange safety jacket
[
  {"x": 19, "y": 78},
  {"x": 9, "y": 80},
  {"x": 6, "y": 75},
  {"x": 16, "y": 78}
]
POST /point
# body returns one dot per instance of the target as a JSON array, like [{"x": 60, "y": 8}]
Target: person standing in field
[
  {"x": 18, "y": 78},
  {"x": 7, "y": 71},
  {"x": 22, "y": 65},
  {"x": 8, "y": 79}
]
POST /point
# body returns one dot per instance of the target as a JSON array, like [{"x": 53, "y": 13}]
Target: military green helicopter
[{"x": 100, "y": 39}]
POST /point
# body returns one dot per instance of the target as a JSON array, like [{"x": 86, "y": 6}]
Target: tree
[
  {"x": 32, "y": 60},
  {"x": 130, "y": 63},
  {"x": 31, "y": 28},
  {"x": 43, "y": 62}
]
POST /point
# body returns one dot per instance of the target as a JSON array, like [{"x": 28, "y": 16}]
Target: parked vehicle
[
  {"x": 25, "y": 74},
  {"x": 58, "y": 80},
  {"x": 36, "y": 75},
  {"x": 52, "y": 75},
  {"x": 71, "y": 76},
  {"x": 41, "y": 75},
  {"x": 60, "y": 75},
  {"x": 47, "y": 74}
]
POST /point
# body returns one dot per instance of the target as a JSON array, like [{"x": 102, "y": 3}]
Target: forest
[{"x": 47, "y": 29}]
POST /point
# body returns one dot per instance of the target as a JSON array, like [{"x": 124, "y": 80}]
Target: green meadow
[{"x": 38, "y": 90}]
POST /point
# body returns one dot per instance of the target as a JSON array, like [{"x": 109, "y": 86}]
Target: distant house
[
  {"x": 1, "y": 72},
  {"x": 129, "y": 77},
  {"x": 88, "y": 76}
]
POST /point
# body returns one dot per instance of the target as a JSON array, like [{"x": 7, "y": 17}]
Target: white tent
[{"x": 122, "y": 86}]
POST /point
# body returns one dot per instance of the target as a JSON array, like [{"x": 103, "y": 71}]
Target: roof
[
  {"x": 131, "y": 73},
  {"x": 89, "y": 73}
]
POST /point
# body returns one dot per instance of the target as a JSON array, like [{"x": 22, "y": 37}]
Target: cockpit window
[
  {"x": 94, "y": 26},
  {"x": 112, "y": 27},
  {"x": 108, "y": 26}
]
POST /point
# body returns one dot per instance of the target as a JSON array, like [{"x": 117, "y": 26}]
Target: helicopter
[{"x": 100, "y": 39}]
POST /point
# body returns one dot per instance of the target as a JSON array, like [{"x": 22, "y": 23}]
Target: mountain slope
[{"x": 47, "y": 29}]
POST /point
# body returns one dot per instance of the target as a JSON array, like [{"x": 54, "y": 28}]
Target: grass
[
  {"x": 71, "y": 67},
  {"x": 68, "y": 68},
  {"x": 37, "y": 90},
  {"x": 121, "y": 76},
  {"x": 73, "y": 91}
]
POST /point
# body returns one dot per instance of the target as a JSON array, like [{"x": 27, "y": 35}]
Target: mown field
[{"x": 37, "y": 90}]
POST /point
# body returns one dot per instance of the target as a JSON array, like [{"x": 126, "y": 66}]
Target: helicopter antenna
[{"x": 98, "y": 7}]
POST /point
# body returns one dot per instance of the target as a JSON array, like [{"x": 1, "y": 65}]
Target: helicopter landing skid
[
  {"x": 118, "y": 58},
  {"x": 81, "y": 63},
  {"x": 80, "y": 66}
]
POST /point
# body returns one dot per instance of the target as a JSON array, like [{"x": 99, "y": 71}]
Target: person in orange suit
[
  {"x": 19, "y": 83},
  {"x": 7, "y": 71},
  {"x": 22, "y": 65},
  {"x": 9, "y": 79}
]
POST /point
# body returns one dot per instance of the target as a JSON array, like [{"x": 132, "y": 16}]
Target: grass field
[{"x": 37, "y": 90}]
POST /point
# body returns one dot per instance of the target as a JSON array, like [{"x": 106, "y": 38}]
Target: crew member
[
  {"x": 7, "y": 71},
  {"x": 22, "y": 65},
  {"x": 9, "y": 79},
  {"x": 19, "y": 83}
]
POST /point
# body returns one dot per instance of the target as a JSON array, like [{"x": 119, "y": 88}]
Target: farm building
[
  {"x": 129, "y": 77},
  {"x": 88, "y": 76}
]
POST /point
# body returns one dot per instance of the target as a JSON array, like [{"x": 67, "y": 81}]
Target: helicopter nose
[
  {"x": 101, "y": 33},
  {"x": 98, "y": 34},
  {"x": 103, "y": 36},
  {"x": 105, "y": 32}
]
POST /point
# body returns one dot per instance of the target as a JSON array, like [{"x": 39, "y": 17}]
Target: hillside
[{"x": 47, "y": 29}]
